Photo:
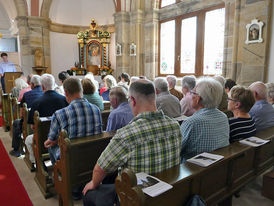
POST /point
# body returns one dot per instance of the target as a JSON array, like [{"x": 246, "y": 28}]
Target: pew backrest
[
  {"x": 78, "y": 157},
  {"x": 214, "y": 184}
]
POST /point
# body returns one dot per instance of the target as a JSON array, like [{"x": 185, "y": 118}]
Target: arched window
[{"x": 193, "y": 43}]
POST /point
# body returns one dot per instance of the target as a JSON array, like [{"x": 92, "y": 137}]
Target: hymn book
[
  {"x": 150, "y": 185},
  {"x": 254, "y": 141},
  {"x": 205, "y": 159}
]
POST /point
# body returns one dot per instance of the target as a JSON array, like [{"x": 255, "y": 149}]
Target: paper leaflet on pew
[
  {"x": 254, "y": 141},
  {"x": 43, "y": 119},
  {"x": 150, "y": 185},
  {"x": 205, "y": 159}
]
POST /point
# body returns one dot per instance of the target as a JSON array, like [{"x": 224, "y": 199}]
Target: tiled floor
[{"x": 250, "y": 195}]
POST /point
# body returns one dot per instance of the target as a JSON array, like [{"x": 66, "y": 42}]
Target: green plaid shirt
[{"x": 150, "y": 143}]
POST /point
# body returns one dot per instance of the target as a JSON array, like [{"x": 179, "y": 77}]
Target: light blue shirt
[
  {"x": 263, "y": 114},
  {"x": 119, "y": 117},
  {"x": 206, "y": 130},
  {"x": 7, "y": 67}
]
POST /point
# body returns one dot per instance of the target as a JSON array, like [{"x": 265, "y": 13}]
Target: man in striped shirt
[
  {"x": 150, "y": 143},
  {"x": 79, "y": 119}
]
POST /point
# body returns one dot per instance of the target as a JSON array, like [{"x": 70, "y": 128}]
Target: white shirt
[{"x": 7, "y": 67}]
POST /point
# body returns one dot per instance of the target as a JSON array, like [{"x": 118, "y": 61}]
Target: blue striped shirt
[
  {"x": 79, "y": 119},
  {"x": 206, "y": 130},
  {"x": 241, "y": 128}
]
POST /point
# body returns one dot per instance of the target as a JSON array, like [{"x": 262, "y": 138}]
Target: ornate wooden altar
[{"x": 94, "y": 48}]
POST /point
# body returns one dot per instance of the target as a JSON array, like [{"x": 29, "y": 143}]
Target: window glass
[
  {"x": 188, "y": 45},
  {"x": 167, "y": 2},
  {"x": 214, "y": 41},
  {"x": 8, "y": 45},
  {"x": 167, "y": 49}
]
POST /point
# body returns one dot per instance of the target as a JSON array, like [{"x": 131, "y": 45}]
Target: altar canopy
[{"x": 93, "y": 48}]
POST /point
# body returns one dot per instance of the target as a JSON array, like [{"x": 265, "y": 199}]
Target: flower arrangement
[{"x": 105, "y": 70}]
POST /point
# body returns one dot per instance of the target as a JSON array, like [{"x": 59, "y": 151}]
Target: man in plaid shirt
[
  {"x": 79, "y": 119},
  {"x": 150, "y": 143}
]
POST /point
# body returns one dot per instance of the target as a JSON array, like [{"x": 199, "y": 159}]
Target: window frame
[{"x": 199, "y": 61}]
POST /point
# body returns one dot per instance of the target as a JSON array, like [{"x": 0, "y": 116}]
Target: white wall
[
  {"x": 64, "y": 52},
  {"x": 271, "y": 55},
  {"x": 80, "y": 12}
]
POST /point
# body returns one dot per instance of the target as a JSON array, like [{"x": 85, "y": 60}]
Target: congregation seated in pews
[{"x": 146, "y": 139}]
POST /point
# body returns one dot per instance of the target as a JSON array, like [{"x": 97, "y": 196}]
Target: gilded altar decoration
[{"x": 94, "y": 48}]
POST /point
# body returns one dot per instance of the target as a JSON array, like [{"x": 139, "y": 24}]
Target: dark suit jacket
[{"x": 47, "y": 104}]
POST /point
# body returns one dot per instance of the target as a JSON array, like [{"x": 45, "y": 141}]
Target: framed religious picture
[
  {"x": 94, "y": 55},
  {"x": 132, "y": 49},
  {"x": 254, "y": 32},
  {"x": 118, "y": 49}
]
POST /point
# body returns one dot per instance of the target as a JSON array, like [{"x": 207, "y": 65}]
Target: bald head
[
  {"x": 142, "y": 90},
  {"x": 259, "y": 90}
]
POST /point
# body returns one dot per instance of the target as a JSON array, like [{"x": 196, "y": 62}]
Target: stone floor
[{"x": 250, "y": 195}]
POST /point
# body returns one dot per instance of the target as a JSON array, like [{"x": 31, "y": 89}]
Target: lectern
[{"x": 9, "y": 78}]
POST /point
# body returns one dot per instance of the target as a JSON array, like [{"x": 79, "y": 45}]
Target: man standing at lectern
[{"x": 5, "y": 66}]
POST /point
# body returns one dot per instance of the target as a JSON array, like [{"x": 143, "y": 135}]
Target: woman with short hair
[
  {"x": 90, "y": 93},
  {"x": 240, "y": 102},
  {"x": 109, "y": 82}
]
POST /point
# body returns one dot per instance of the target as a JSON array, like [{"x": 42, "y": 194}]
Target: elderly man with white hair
[
  {"x": 262, "y": 111},
  {"x": 207, "y": 129},
  {"x": 171, "y": 79},
  {"x": 166, "y": 101},
  {"x": 188, "y": 83},
  {"x": 46, "y": 105}
]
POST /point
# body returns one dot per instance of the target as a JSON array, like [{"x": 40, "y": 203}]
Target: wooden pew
[
  {"x": 215, "y": 184},
  {"x": 10, "y": 113},
  {"x": 4, "y": 100},
  {"x": 106, "y": 105},
  {"x": 26, "y": 130},
  {"x": 78, "y": 157},
  {"x": 105, "y": 115},
  {"x": 16, "y": 108},
  {"x": 42, "y": 177}
]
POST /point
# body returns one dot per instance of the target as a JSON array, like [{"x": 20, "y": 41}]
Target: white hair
[
  {"x": 110, "y": 81},
  {"x": 171, "y": 79},
  {"x": 270, "y": 90},
  {"x": 220, "y": 79},
  {"x": 210, "y": 91},
  {"x": 133, "y": 79},
  {"x": 20, "y": 83},
  {"x": 259, "y": 88},
  {"x": 189, "y": 82},
  {"x": 161, "y": 84},
  {"x": 35, "y": 80},
  {"x": 48, "y": 81}
]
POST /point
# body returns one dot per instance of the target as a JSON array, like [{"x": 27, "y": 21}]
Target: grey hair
[
  {"x": 20, "y": 83},
  {"x": 119, "y": 92},
  {"x": 35, "y": 80},
  {"x": 171, "y": 80},
  {"x": 210, "y": 91},
  {"x": 220, "y": 79},
  {"x": 161, "y": 84},
  {"x": 48, "y": 81},
  {"x": 133, "y": 79},
  {"x": 259, "y": 88},
  {"x": 270, "y": 90},
  {"x": 189, "y": 82},
  {"x": 110, "y": 81}
]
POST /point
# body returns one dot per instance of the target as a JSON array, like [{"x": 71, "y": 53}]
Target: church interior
[{"x": 143, "y": 38}]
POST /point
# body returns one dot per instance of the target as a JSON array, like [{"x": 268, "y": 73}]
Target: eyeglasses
[
  {"x": 233, "y": 100},
  {"x": 192, "y": 92}
]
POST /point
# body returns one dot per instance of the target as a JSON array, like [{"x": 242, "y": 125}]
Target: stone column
[
  {"x": 33, "y": 34},
  {"x": 151, "y": 44},
  {"x": 122, "y": 29},
  {"x": 137, "y": 37}
]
